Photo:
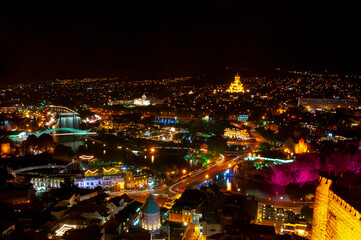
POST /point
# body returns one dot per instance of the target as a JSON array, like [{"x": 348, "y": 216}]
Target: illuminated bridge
[
  {"x": 65, "y": 131},
  {"x": 275, "y": 160},
  {"x": 66, "y": 122},
  {"x": 65, "y": 109},
  {"x": 39, "y": 167}
]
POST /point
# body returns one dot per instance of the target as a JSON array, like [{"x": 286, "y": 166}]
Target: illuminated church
[
  {"x": 301, "y": 146},
  {"x": 236, "y": 86}
]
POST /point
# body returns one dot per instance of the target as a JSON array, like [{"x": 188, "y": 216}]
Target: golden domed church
[{"x": 236, "y": 86}]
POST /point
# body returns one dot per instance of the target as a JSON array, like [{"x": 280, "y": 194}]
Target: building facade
[
  {"x": 328, "y": 103},
  {"x": 235, "y": 133},
  {"x": 104, "y": 182},
  {"x": 46, "y": 183}
]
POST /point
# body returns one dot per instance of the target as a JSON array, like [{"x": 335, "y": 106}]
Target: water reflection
[
  {"x": 230, "y": 182},
  {"x": 72, "y": 141},
  {"x": 229, "y": 185},
  {"x": 68, "y": 122}
]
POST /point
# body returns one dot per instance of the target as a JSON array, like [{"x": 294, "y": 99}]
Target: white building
[
  {"x": 46, "y": 183},
  {"x": 143, "y": 101},
  {"x": 104, "y": 182}
]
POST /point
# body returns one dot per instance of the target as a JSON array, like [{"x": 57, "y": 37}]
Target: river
[
  {"x": 230, "y": 181},
  {"x": 72, "y": 141}
]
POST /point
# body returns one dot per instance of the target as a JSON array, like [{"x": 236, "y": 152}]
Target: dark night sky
[{"x": 74, "y": 39}]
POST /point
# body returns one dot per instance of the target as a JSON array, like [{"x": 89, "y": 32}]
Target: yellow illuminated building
[
  {"x": 294, "y": 228},
  {"x": 5, "y": 148},
  {"x": 236, "y": 86},
  {"x": 236, "y": 133}
]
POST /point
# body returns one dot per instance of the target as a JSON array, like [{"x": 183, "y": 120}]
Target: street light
[
  {"x": 184, "y": 171},
  {"x": 207, "y": 176}
]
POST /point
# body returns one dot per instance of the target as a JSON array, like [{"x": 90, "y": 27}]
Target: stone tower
[
  {"x": 335, "y": 216},
  {"x": 319, "y": 222},
  {"x": 151, "y": 214}
]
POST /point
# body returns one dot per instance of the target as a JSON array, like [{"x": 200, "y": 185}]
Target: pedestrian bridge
[
  {"x": 65, "y": 131},
  {"x": 39, "y": 167},
  {"x": 275, "y": 160},
  {"x": 64, "y": 109}
]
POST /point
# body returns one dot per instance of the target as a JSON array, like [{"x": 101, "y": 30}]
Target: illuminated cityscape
[{"x": 180, "y": 120}]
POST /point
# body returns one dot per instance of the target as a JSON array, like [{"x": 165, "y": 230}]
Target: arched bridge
[
  {"x": 62, "y": 107},
  {"x": 70, "y": 131},
  {"x": 275, "y": 160},
  {"x": 39, "y": 167}
]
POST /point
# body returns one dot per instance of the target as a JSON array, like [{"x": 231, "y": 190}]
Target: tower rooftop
[{"x": 150, "y": 205}]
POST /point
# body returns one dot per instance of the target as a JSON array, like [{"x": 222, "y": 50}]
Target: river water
[
  {"x": 72, "y": 141},
  {"x": 230, "y": 181},
  {"x": 68, "y": 122}
]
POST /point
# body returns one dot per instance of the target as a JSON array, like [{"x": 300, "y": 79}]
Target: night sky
[{"x": 150, "y": 39}]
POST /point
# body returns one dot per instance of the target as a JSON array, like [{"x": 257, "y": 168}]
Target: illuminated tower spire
[{"x": 237, "y": 79}]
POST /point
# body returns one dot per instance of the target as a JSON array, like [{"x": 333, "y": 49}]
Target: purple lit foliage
[{"x": 306, "y": 168}]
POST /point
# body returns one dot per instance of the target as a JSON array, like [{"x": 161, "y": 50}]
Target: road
[
  {"x": 198, "y": 177},
  {"x": 202, "y": 175}
]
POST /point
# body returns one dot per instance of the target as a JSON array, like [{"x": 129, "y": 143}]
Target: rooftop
[
  {"x": 150, "y": 205},
  {"x": 90, "y": 233}
]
